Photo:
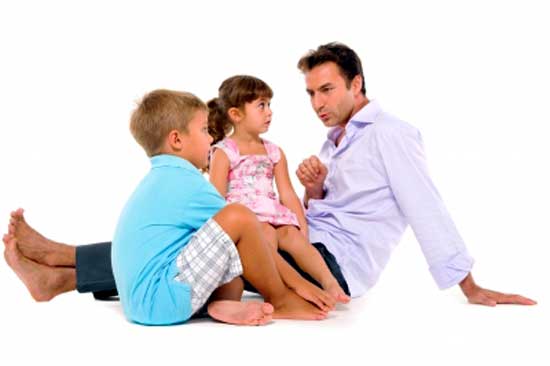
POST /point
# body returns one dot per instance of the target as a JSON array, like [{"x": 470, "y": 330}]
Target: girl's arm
[
  {"x": 219, "y": 170},
  {"x": 287, "y": 194}
]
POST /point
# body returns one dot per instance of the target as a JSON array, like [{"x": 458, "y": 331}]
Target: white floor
[
  {"x": 472, "y": 76},
  {"x": 397, "y": 322}
]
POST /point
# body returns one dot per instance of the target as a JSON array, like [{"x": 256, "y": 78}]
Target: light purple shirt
[{"x": 377, "y": 184}]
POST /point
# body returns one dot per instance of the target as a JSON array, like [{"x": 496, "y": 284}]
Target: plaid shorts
[{"x": 209, "y": 260}]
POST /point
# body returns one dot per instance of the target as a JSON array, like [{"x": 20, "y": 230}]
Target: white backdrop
[{"x": 473, "y": 76}]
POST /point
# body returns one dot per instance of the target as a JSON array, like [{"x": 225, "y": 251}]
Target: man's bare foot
[
  {"x": 43, "y": 282},
  {"x": 292, "y": 306},
  {"x": 336, "y": 291},
  {"x": 241, "y": 313},
  {"x": 36, "y": 247}
]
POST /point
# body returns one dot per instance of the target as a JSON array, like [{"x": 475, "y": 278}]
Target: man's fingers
[
  {"x": 307, "y": 172},
  {"x": 515, "y": 299},
  {"x": 310, "y": 167}
]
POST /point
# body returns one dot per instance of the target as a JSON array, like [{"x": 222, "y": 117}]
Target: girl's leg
[
  {"x": 308, "y": 258},
  {"x": 270, "y": 234},
  {"x": 259, "y": 265}
]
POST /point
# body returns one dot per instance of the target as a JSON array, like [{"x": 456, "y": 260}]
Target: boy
[{"x": 176, "y": 246}]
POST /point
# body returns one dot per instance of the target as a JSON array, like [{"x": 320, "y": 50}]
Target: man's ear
[{"x": 357, "y": 84}]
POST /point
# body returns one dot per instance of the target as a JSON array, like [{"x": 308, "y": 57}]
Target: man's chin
[{"x": 329, "y": 123}]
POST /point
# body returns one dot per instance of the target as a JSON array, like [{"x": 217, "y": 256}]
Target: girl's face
[{"x": 257, "y": 116}]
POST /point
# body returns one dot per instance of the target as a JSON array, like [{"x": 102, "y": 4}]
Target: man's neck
[{"x": 359, "y": 104}]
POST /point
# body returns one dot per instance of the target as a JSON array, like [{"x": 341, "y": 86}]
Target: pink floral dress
[{"x": 250, "y": 182}]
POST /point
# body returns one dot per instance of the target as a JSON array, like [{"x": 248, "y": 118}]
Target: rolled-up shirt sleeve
[{"x": 402, "y": 153}]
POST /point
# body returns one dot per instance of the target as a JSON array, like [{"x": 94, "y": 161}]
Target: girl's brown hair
[{"x": 233, "y": 93}]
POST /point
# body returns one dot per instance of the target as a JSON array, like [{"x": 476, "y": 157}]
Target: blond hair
[{"x": 160, "y": 112}]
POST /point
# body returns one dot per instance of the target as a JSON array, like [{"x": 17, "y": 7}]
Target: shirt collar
[
  {"x": 365, "y": 115},
  {"x": 167, "y": 160}
]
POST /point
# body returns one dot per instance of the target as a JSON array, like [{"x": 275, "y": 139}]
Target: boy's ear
[
  {"x": 235, "y": 114},
  {"x": 175, "y": 140}
]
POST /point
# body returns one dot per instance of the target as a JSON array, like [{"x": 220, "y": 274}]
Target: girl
[{"x": 242, "y": 169}]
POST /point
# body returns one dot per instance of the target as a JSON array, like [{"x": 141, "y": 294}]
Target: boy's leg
[
  {"x": 308, "y": 258},
  {"x": 258, "y": 264},
  {"x": 225, "y": 305}
]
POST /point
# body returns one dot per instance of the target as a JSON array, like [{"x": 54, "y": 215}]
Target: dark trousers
[{"x": 94, "y": 272}]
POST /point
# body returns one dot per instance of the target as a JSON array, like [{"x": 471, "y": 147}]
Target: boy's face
[{"x": 196, "y": 140}]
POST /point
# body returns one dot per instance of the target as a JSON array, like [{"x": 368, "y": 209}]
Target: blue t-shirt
[{"x": 168, "y": 206}]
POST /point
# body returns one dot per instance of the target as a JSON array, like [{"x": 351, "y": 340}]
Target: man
[{"x": 369, "y": 183}]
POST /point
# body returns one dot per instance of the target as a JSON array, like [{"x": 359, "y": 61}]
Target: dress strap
[
  {"x": 230, "y": 148},
  {"x": 273, "y": 151}
]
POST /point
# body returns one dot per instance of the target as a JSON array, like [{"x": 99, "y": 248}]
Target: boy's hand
[
  {"x": 322, "y": 299},
  {"x": 312, "y": 173}
]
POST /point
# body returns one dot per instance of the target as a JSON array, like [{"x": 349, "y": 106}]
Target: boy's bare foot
[
  {"x": 292, "y": 306},
  {"x": 336, "y": 291},
  {"x": 241, "y": 313},
  {"x": 43, "y": 282},
  {"x": 35, "y": 246}
]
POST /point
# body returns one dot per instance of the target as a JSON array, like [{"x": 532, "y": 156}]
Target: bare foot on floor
[
  {"x": 43, "y": 282},
  {"x": 292, "y": 306},
  {"x": 241, "y": 313},
  {"x": 35, "y": 246},
  {"x": 336, "y": 291}
]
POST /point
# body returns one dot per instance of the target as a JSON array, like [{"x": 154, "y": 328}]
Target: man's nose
[{"x": 317, "y": 102}]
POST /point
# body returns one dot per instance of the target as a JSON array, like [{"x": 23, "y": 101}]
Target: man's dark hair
[{"x": 347, "y": 60}]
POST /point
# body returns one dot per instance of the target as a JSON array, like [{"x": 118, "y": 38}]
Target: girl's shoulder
[
  {"x": 273, "y": 151},
  {"x": 230, "y": 148}
]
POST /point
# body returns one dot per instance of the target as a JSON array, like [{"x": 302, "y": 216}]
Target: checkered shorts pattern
[{"x": 209, "y": 260}]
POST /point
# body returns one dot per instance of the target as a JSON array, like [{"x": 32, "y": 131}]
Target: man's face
[
  {"x": 331, "y": 99},
  {"x": 197, "y": 140}
]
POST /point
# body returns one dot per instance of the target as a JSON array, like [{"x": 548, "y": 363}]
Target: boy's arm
[
  {"x": 287, "y": 194},
  {"x": 219, "y": 170}
]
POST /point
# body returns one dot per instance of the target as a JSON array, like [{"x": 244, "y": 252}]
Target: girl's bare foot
[
  {"x": 292, "y": 306},
  {"x": 36, "y": 247},
  {"x": 336, "y": 291},
  {"x": 43, "y": 282},
  {"x": 241, "y": 313}
]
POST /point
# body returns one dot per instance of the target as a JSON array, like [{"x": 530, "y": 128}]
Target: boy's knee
[{"x": 237, "y": 213}]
